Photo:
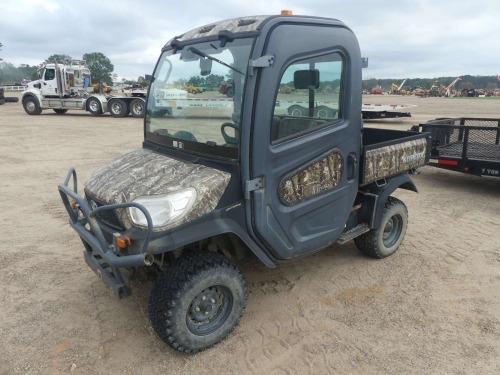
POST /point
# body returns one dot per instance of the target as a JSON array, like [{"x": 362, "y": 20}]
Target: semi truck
[
  {"x": 63, "y": 87},
  {"x": 214, "y": 184}
]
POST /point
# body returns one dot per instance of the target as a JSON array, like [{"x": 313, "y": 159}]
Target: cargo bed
[{"x": 389, "y": 152}]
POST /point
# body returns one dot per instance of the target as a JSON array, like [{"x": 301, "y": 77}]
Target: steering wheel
[{"x": 229, "y": 139}]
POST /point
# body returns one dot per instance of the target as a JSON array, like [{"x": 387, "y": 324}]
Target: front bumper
[{"x": 101, "y": 256}]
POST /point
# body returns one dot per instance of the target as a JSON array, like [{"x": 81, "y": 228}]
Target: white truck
[{"x": 62, "y": 87}]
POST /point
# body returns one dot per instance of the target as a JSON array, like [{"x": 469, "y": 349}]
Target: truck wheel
[
  {"x": 31, "y": 106},
  {"x": 118, "y": 108},
  {"x": 324, "y": 112},
  {"x": 297, "y": 111},
  {"x": 60, "y": 111},
  {"x": 94, "y": 106},
  {"x": 230, "y": 92},
  {"x": 137, "y": 108},
  {"x": 384, "y": 241},
  {"x": 197, "y": 301}
]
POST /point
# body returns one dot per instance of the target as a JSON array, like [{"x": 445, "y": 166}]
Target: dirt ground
[{"x": 431, "y": 308}]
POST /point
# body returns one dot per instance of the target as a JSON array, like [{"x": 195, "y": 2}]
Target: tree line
[{"x": 99, "y": 65}]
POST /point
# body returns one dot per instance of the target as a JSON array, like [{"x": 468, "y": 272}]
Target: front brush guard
[{"x": 99, "y": 254}]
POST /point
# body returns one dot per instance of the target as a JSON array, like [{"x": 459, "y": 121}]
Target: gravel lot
[{"x": 432, "y": 308}]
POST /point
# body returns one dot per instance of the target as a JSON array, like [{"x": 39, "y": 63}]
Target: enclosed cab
[{"x": 220, "y": 179}]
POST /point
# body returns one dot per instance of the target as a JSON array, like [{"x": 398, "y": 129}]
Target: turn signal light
[
  {"x": 286, "y": 12},
  {"x": 123, "y": 241}
]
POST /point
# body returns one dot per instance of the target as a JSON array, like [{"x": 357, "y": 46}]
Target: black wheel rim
[
  {"x": 209, "y": 310},
  {"x": 392, "y": 230}
]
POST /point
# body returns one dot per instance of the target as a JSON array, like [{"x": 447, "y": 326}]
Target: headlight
[{"x": 164, "y": 209}]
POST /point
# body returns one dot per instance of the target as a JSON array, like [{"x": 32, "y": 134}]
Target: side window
[
  {"x": 308, "y": 96},
  {"x": 50, "y": 74}
]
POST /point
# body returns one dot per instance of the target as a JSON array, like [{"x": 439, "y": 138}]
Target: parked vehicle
[
  {"x": 219, "y": 182},
  {"x": 69, "y": 87},
  {"x": 468, "y": 145}
]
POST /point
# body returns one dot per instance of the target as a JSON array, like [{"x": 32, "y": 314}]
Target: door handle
[{"x": 352, "y": 166}]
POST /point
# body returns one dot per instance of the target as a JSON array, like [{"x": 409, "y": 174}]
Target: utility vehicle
[{"x": 214, "y": 183}]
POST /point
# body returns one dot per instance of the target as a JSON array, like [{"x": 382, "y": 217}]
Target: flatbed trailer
[
  {"x": 467, "y": 145},
  {"x": 170, "y": 100}
]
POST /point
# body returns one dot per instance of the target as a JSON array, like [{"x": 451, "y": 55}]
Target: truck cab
[{"x": 218, "y": 179}]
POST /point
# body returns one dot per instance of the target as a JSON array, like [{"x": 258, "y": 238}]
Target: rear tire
[
  {"x": 385, "y": 240},
  {"x": 118, "y": 108},
  {"x": 31, "y": 106},
  {"x": 197, "y": 301},
  {"x": 137, "y": 108},
  {"x": 94, "y": 106}
]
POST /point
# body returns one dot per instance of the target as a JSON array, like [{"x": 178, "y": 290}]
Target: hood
[{"x": 145, "y": 173}]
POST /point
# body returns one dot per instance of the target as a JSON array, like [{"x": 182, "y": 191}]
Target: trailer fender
[{"x": 378, "y": 194}]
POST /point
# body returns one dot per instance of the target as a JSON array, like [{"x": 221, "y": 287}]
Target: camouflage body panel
[
  {"x": 235, "y": 25},
  {"x": 145, "y": 173},
  {"x": 390, "y": 160},
  {"x": 319, "y": 177}
]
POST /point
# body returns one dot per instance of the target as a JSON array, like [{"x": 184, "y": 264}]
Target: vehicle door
[
  {"x": 49, "y": 83},
  {"x": 305, "y": 140}
]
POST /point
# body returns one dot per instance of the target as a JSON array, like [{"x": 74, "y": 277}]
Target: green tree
[
  {"x": 59, "y": 59},
  {"x": 1, "y": 45},
  {"x": 100, "y": 67}
]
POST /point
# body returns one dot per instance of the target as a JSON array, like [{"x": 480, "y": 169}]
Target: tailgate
[{"x": 390, "y": 152}]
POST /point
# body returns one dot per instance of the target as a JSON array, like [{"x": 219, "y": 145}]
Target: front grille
[{"x": 108, "y": 217}]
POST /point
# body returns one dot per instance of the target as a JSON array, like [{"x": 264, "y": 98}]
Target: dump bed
[
  {"x": 468, "y": 145},
  {"x": 389, "y": 152}
]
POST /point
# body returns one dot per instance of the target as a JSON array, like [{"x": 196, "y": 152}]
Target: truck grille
[{"x": 108, "y": 217}]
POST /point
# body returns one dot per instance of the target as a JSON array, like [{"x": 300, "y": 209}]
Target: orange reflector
[
  {"x": 286, "y": 12},
  {"x": 74, "y": 205},
  {"x": 448, "y": 162},
  {"x": 123, "y": 241}
]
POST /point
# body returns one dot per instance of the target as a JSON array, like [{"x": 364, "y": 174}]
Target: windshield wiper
[{"x": 202, "y": 54}]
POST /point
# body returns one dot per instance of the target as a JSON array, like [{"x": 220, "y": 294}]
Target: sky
[{"x": 401, "y": 38}]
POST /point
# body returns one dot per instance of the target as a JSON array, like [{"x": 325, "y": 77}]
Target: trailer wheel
[
  {"x": 197, "y": 301},
  {"x": 31, "y": 106},
  {"x": 118, "y": 108},
  {"x": 385, "y": 240},
  {"x": 94, "y": 106},
  {"x": 60, "y": 111},
  {"x": 137, "y": 108}
]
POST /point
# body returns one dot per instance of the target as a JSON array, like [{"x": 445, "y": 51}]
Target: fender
[
  {"x": 102, "y": 99},
  {"x": 378, "y": 194},
  {"x": 34, "y": 95}
]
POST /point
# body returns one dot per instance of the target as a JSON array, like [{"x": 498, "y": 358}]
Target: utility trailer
[
  {"x": 467, "y": 145},
  {"x": 63, "y": 87}
]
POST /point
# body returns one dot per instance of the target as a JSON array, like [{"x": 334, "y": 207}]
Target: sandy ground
[{"x": 432, "y": 308}]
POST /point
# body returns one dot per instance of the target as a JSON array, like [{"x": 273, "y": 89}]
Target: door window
[
  {"x": 309, "y": 96},
  {"x": 50, "y": 74}
]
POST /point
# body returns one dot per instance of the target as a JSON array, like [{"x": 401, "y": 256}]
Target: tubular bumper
[{"x": 99, "y": 254}]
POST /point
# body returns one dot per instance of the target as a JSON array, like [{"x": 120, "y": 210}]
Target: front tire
[
  {"x": 197, "y": 301},
  {"x": 385, "y": 240},
  {"x": 31, "y": 106}
]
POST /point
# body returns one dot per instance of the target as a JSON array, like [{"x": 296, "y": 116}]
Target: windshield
[{"x": 195, "y": 98}]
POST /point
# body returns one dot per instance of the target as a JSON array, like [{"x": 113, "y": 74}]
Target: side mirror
[
  {"x": 205, "y": 67},
  {"x": 306, "y": 79}
]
